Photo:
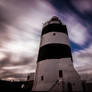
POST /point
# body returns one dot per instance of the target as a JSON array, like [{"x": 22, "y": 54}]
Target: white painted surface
[
  {"x": 50, "y": 70},
  {"x": 59, "y": 37}
]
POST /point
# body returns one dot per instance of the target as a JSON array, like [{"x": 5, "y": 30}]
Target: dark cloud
[
  {"x": 3, "y": 12},
  {"x": 17, "y": 69},
  {"x": 10, "y": 74},
  {"x": 4, "y": 62},
  {"x": 11, "y": 10},
  {"x": 7, "y": 61}
]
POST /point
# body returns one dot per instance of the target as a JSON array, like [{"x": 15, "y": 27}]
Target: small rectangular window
[
  {"x": 42, "y": 78},
  {"x": 60, "y": 74}
]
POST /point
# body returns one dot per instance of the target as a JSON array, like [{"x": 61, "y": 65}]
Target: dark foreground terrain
[
  {"x": 26, "y": 86},
  {"x": 15, "y": 86}
]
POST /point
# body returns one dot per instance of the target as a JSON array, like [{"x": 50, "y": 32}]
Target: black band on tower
[
  {"x": 54, "y": 28},
  {"x": 54, "y": 51}
]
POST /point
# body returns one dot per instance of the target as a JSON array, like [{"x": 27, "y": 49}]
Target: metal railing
[{"x": 53, "y": 85}]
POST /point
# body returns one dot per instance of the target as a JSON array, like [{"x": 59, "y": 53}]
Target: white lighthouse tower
[{"x": 55, "y": 71}]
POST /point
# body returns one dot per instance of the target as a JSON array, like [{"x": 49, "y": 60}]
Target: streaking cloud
[
  {"x": 22, "y": 26},
  {"x": 77, "y": 32},
  {"x": 82, "y": 62}
]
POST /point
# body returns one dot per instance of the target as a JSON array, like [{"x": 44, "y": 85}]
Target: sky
[{"x": 21, "y": 23}]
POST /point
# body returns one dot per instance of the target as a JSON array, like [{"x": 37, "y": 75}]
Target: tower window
[
  {"x": 42, "y": 78},
  {"x": 60, "y": 74},
  {"x": 54, "y": 33}
]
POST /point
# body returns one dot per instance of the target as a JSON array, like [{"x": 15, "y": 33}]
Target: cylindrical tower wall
[
  {"x": 54, "y": 43},
  {"x": 55, "y": 59}
]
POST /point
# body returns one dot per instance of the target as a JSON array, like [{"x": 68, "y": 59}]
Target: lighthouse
[{"x": 55, "y": 71}]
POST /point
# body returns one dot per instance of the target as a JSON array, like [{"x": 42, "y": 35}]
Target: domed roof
[{"x": 54, "y": 18}]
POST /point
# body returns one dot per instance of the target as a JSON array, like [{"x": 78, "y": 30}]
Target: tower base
[{"x": 54, "y": 81}]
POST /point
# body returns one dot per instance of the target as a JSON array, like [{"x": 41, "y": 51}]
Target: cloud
[
  {"x": 77, "y": 32},
  {"x": 82, "y": 61},
  {"x": 83, "y": 5},
  {"x": 21, "y": 66},
  {"x": 20, "y": 29},
  {"x": 13, "y": 76}
]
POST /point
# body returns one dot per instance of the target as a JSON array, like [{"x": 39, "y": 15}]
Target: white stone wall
[
  {"x": 49, "y": 69},
  {"x": 50, "y": 38}
]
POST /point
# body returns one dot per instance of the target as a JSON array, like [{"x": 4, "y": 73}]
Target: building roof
[{"x": 53, "y": 20}]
